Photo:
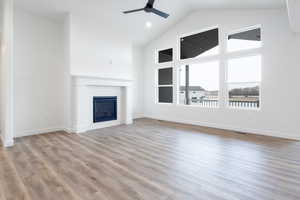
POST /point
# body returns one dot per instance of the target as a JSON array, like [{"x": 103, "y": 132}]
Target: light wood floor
[{"x": 150, "y": 160}]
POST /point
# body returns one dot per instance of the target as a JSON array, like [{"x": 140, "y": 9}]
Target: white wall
[
  {"x": 47, "y": 53},
  {"x": 39, "y": 74},
  {"x": 6, "y": 73},
  {"x": 67, "y": 74},
  {"x": 1, "y": 16},
  {"x": 280, "y": 75},
  {"x": 99, "y": 49},
  {"x": 1, "y": 54},
  {"x": 138, "y": 85}
]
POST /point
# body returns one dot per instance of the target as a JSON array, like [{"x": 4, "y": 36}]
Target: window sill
[
  {"x": 196, "y": 106},
  {"x": 164, "y": 64},
  {"x": 167, "y": 104},
  {"x": 214, "y": 108},
  {"x": 243, "y": 109}
]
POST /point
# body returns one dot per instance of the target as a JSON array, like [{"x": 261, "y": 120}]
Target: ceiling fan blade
[
  {"x": 151, "y": 2},
  {"x": 136, "y": 10},
  {"x": 159, "y": 13}
]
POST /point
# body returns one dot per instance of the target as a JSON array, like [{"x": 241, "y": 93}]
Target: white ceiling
[{"x": 134, "y": 24}]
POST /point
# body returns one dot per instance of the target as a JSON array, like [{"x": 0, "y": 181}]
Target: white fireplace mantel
[{"x": 82, "y": 101}]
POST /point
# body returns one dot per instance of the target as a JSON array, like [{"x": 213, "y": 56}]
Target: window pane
[
  {"x": 244, "y": 77},
  {"x": 199, "y": 84},
  {"x": 244, "y": 95},
  {"x": 247, "y": 69},
  {"x": 201, "y": 44},
  {"x": 245, "y": 40},
  {"x": 165, "y": 76},
  {"x": 165, "y": 94},
  {"x": 165, "y": 56}
]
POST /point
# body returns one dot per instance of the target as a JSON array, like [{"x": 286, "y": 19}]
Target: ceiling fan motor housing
[{"x": 148, "y": 7}]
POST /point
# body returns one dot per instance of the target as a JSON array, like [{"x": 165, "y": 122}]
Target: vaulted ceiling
[{"x": 134, "y": 24}]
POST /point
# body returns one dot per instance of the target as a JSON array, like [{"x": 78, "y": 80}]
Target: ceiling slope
[{"x": 134, "y": 25}]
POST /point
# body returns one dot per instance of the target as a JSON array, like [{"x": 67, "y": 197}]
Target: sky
[
  {"x": 236, "y": 45},
  {"x": 205, "y": 75},
  {"x": 247, "y": 69}
]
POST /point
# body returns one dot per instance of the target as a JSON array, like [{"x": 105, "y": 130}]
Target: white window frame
[
  {"x": 248, "y": 28},
  {"x": 164, "y": 65},
  {"x": 157, "y": 56},
  {"x": 178, "y": 83},
  {"x": 244, "y": 53},
  {"x": 204, "y": 59},
  {"x": 157, "y": 86},
  {"x": 223, "y": 57}
]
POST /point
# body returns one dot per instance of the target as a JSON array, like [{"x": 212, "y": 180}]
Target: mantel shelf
[
  {"x": 100, "y": 78},
  {"x": 84, "y": 80}
]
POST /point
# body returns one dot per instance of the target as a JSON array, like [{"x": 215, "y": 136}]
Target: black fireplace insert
[{"x": 104, "y": 109}]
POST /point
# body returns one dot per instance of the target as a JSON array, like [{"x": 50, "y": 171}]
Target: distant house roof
[
  {"x": 212, "y": 93},
  {"x": 192, "y": 88}
]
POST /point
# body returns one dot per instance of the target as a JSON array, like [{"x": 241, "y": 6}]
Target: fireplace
[
  {"x": 85, "y": 116},
  {"x": 104, "y": 109}
]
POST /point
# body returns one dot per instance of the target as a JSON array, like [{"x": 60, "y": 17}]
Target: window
[
  {"x": 201, "y": 65},
  {"x": 165, "y": 94},
  {"x": 201, "y": 44},
  {"x": 165, "y": 85},
  {"x": 165, "y": 76},
  {"x": 244, "y": 40},
  {"x": 244, "y": 72},
  {"x": 244, "y": 78},
  {"x": 199, "y": 84},
  {"x": 165, "y": 55}
]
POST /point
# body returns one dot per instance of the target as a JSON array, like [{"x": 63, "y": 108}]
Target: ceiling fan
[{"x": 149, "y": 9}]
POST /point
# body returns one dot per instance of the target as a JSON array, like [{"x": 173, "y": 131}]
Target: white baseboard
[
  {"x": 272, "y": 133},
  {"x": 38, "y": 131},
  {"x": 100, "y": 125},
  {"x": 138, "y": 115},
  {"x": 68, "y": 130},
  {"x": 7, "y": 143}
]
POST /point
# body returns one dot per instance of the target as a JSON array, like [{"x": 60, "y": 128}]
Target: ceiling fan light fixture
[{"x": 148, "y": 24}]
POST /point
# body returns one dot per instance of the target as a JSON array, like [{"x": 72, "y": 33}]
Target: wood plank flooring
[{"x": 150, "y": 160}]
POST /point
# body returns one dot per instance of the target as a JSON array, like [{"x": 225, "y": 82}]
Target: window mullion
[
  {"x": 223, "y": 71},
  {"x": 187, "y": 85}
]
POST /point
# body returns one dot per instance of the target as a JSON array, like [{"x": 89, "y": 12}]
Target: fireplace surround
[{"x": 85, "y": 88}]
